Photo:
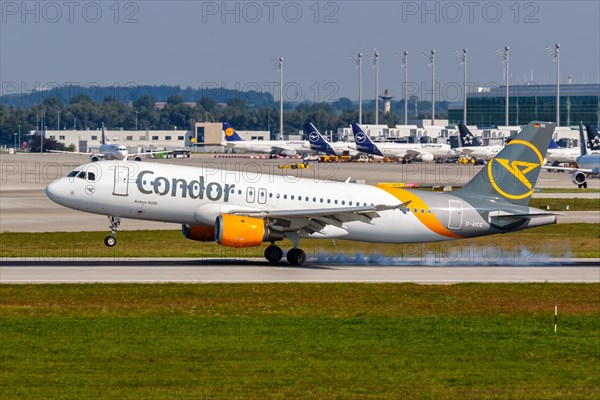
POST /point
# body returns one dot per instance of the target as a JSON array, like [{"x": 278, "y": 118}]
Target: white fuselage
[
  {"x": 563, "y": 155},
  {"x": 113, "y": 151},
  {"x": 406, "y": 150},
  {"x": 197, "y": 196},
  {"x": 283, "y": 147},
  {"x": 480, "y": 152},
  {"x": 590, "y": 162}
]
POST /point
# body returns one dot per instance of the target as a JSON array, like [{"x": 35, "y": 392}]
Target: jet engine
[
  {"x": 241, "y": 231},
  {"x": 201, "y": 233},
  {"x": 288, "y": 153},
  {"x": 578, "y": 178},
  {"x": 426, "y": 157}
]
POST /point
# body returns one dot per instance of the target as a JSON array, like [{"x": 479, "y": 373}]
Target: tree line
[{"x": 82, "y": 112}]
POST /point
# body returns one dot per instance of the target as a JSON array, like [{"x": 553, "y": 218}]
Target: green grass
[
  {"x": 574, "y": 204},
  {"x": 299, "y": 341},
  {"x": 577, "y": 240}
]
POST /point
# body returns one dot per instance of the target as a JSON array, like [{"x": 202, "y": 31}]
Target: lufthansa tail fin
[
  {"x": 512, "y": 174},
  {"x": 467, "y": 139},
  {"x": 316, "y": 140},
  {"x": 230, "y": 134},
  {"x": 593, "y": 137},
  {"x": 363, "y": 142}
]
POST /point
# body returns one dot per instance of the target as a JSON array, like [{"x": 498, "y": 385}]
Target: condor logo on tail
[{"x": 518, "y": 169}]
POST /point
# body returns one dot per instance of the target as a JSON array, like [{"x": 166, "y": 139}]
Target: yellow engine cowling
[
  {"x": 240, "y": 231},
  {"x": 201, "y": 233}
]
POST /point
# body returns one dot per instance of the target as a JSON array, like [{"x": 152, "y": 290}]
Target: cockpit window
[
  {"x": 72, "y": 174},
  {"x": 91, "y": 176},
  {"x": 81, "y": 175}
]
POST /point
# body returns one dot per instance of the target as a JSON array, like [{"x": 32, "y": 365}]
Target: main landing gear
[
  {"x": 111, "y": 240},
  {"x": 295, "y": 256}
]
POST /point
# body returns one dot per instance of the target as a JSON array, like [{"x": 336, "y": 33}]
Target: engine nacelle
[
  {"x": 200, "y": 233},
  {"x": 578, "y": 178},
  {"x": 288, "y": 153},
  {"x": 240, "y": 231},
  {"x": 426, "y": 157}
]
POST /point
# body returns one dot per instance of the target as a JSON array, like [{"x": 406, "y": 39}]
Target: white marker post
[{"x": 555, "y": 317}]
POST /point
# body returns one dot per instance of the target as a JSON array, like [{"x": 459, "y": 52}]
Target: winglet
[{"x": 404, "y": 206}]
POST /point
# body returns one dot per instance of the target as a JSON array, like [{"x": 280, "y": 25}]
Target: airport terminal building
[
  {"x": 486, "y": 106},
  {"x": 203, "y": 137}
]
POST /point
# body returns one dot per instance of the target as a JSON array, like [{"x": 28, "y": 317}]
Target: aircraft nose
[{"x": 54, "y": 191}]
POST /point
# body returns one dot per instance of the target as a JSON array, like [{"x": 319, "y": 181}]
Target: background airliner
[
  {"x": 588, "y": 164},
  {"x": 318, "y": 143},
  {"x": 405, "y": 151},
  {"x": 238, "y": 210},
  {"x": 561, "y": 154},
  {"x": 275, "y": 147},
  {"x": 111, "y": 151},
  {"x": 471, "y": 146}
]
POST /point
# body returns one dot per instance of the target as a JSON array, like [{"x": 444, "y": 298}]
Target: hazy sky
[{"x": 234, "y": 44}]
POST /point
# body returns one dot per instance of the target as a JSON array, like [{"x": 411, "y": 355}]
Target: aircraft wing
[
  {"x": 467, "y": 151},
  {"x": 281, "y": 149},
  {"x": 79, "y": 153},
  {"x": 316, "y": 220},
  {"x": 569, "y": 169}
]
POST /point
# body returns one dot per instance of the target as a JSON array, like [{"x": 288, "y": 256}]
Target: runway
[{"x": 20, "y": 271}]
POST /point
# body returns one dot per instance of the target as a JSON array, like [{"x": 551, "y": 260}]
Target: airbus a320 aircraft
[
  {"x": 239, "y": 210},
  {"x": 275, "y": 147},
  {"x": 588, "y": 164},
  {"x": 110, "y": 151},
  {"x": 420, "y": 151}
]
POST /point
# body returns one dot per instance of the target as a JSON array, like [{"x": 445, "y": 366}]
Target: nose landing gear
[{"x": 111, "y": 240}]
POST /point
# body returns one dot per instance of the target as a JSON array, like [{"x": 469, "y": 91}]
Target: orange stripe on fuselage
[{"x": 429, "y": 220}]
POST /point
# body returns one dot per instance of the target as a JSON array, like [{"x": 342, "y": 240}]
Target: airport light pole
[
  {"x": 43, "y": 128},
  {"x": 405, "y": 89},
  {"x": 280, "y": 67},
  {"x": 58, "y": 120},
  {"x": 15, "y": 137},
  {"x": 19, "y": 135},
  {"x": 136, "y": 120},
  {"x": 555, "y": 52},
  {"x": 358, "y": 61},
  {"x": 431, "y": 59},
  {"x": 504, "y": 55},
  {"x": 463, "y": 61},
  {"x": 375, "y": 61}
]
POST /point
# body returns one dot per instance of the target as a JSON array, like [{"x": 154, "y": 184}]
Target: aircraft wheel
[
  {"x": 273, "y": 254},
  {"x": 110, "y": 241},
  {"x": 296, "y": 256}
]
